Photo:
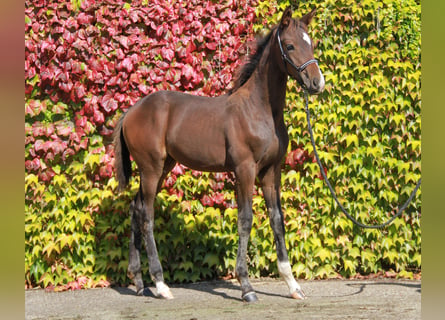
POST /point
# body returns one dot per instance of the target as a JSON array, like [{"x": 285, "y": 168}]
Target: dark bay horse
[{"x": 242, "y": 131}]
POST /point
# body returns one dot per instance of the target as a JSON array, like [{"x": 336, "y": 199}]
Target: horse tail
[{"x": 122, "y": 162}]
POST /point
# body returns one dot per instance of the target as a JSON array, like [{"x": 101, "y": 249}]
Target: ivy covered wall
[
  {"x": 367, "y": 129},
  {"x": 89, "y": 61}
]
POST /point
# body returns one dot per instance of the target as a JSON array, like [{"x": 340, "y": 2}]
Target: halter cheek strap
[{"x": 286, "y": 58}]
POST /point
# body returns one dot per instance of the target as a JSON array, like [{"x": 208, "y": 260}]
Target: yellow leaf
[
  {"x": 391, "y": 255},
  {"x": 351, "y": 139},
  {"x": 31, "y": 179},
  {"x": 50, "y": 247},
  {"x": 59, "y": 180},
  {"x": 350, "y": 265},
  {"x": 323, "y": 253}
]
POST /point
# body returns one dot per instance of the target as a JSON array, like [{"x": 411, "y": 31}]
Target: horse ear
[
  {"x": 306, "y": 19},
  {"x": 286, "y": 18}
]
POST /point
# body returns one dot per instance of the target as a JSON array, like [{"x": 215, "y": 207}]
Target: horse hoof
[
  {"x": 165, "y": 294},
  {"x": 250, "y": 297},
  {"x": 298, "y": 294},
  {"x": 140, "y": 292}
]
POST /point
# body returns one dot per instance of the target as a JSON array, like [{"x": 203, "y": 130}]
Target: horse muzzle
[{"x": 313, "y": 84}]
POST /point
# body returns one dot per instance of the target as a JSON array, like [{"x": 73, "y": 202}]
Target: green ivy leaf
[{"x": 211, "y": 260}]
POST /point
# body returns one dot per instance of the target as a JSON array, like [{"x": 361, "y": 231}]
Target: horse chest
[
  {"x": 276, "y": 147},
  {"x": 269, "y": 144}
]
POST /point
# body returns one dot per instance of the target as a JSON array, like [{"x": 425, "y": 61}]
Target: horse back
[{"x": 189, "y": 128}]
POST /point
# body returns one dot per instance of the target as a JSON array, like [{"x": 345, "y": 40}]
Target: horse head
[{"x": 297, "y": 51}]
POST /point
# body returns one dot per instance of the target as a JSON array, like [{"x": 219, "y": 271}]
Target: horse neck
[
  {"x": 276, "y": 87},
  {"x": 271, "y": 81}
]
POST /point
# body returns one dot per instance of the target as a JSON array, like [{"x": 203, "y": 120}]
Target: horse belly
[{"x": 198, "y": 144}]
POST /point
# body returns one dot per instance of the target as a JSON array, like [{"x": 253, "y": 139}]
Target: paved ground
[{"x": 330, "y": 299}]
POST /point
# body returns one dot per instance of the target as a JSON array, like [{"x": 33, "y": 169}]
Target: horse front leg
[
  {"x": 245, "y": 177},
  {"x": 271, "y": 190}
]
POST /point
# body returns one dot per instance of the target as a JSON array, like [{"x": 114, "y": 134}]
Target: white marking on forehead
[{"x": 306, "y": 38}]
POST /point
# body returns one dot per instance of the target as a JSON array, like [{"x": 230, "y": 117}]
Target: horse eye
[{"x": 290, "y": 47}]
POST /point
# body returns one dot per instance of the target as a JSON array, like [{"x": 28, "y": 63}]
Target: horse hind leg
[
  {"x": 134, "y": 263},
  {"x": 151, "y": 180},
  {"x": 169, "y": 164}
]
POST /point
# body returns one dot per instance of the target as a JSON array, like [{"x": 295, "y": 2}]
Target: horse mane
[{"x": 247, "y": 69}]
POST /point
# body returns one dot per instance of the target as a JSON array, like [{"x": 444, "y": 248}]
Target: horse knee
[
  {"x": 245, "y": 219},
  {"x": 134, "y": 268},
  {"x": 276, "y": 220}
]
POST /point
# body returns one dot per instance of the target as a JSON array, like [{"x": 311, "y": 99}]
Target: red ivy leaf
[
  {"x": 98, "y": 117},
  {"x": 218, "y": 198},
  {"x": 47, "y": 46},
  {"x": 71, "y": 24},
  {"x": 86, "y": 4},
  {"x": 81, "y": 121},
  {"x": 112, "y": 81},
  {"x": 127, "y": 64},
  {"x": 144, "y": 88},
  {"x": 47, "y": 175},
  {"x": 178, "y": 170},
  {"x": 32, "y": 165},
  {"x": 160, "y": 31},
  {"x": 123, "y": 41},
  {"x": 64, "y": 128},
  {"x": 108, "y": 103},
  {"x": 76, "y": 67},
  {"x": 83, "y": 18},
  {"x": 38, "y": 145},
  {"x": 69, "y": 37},
  {"x": 178, "y": 28},
  {"x": 120, "y": 97},
  {"x": 211, "y": 46},
  {"x": 35, "y": 107},
  {"x": 134, "y": 16},
  {"x": 187, "y": 71},
  {"x": 80, "y": 90},
  {"x": 207, "y": 201},
  {"x": 67, "y": 153},
  {"x": 58, "y": 146},
  {"x": 167, "y": 53},
  {"x": 66, "y": 86}
]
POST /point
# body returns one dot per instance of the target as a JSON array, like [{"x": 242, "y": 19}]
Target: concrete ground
[{"x": 327, "y": 299}]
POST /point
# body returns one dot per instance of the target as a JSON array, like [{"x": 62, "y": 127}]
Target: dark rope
[{"x": 378, "y": 226}]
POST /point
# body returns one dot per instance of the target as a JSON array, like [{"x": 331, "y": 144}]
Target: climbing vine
[{"x": 87, "y": 62}]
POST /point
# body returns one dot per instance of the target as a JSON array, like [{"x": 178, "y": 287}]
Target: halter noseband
[{"x": 286, "y": 58}]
